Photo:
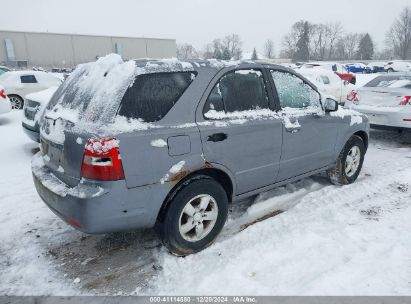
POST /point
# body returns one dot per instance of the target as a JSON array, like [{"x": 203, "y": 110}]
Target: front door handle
[
  {"x": 293, "y": 129},
  {"x": 217, "y": 137}
]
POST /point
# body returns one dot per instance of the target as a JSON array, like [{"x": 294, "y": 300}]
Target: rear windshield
[
  {"x": 385, "y": 81},
  {"x": 152, "y": 96}
]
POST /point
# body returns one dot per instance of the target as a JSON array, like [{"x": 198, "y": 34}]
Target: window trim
[
  {"x": 306, "y": 81},
  {"x": 219, "y": 77}
]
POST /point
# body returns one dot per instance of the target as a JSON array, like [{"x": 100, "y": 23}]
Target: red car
[{"x": 338, "y": 68}]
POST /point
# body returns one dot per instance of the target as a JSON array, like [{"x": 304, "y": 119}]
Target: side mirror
[{"x": 330, "y": 105}]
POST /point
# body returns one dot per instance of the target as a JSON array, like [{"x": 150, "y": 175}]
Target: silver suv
[{"x": 170, "y": 144}]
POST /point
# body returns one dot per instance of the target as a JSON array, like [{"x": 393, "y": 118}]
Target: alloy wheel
[
  {"x": 352, "y": 161},
  {"x": 198, "y": 218},
  {"x": 16, "y": 102}
]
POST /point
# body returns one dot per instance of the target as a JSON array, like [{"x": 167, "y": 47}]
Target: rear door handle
[{"x": 217, "y": 137}]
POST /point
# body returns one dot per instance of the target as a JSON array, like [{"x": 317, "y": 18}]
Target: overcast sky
[{"x": 195, "y": 21}]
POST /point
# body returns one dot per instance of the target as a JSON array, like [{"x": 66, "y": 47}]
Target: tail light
[
  {"x": 353, "y": 96},
  {"x": 406, "y": 101},
  {"x": 2, "y": 94},
  {"x": 101, "y": 160}
]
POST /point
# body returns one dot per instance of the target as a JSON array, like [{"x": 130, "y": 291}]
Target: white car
[
  {"x": 20, "y": 83},
  {"x": 33, "y": 109},
  {"x": 329, "y": 83},
  {"x": 336, "y": 67},
  {"x": 398, "y": 66},
  {"x": 386, "y": 100},
  {"x": 5, "y": 105}
]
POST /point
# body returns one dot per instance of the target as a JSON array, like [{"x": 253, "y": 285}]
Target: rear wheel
[
  {"x": 349, "y": 162},
  {"x": 390, "y": 70},
  {"x": 194, "y": 217},
  {"x": 16, "y": 102}
]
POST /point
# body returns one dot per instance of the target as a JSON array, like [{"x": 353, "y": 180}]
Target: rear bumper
[
  {"x": 389, "y": 117},
  {"x": 99, "y": 207},
  {"x": 32, "y": 132}
]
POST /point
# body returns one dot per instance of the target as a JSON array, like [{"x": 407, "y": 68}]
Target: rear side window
[
  {"x": 152, "y": 95},
  {"x": 238, "y": 91},
  {"x": 28, "y": 79}
]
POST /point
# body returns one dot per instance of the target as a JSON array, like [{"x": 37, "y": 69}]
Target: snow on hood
[{"x": 43, "y": 97}]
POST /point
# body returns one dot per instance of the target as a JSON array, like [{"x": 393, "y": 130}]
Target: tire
[
  {"x": 174, "y": 229},
  {"x": 341, "y": 174},
  {"x": 16, "y": 102},
  {"x": 353, "y": 80},
  {"x": 390, "y": 70}
]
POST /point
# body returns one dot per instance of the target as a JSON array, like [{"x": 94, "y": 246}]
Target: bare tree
[
  {"x": 351, "y": 44},
  {"x": 186, "y": 51},
  {"x": 399, "y": 35},
  {"x": 334, "y": 31},
  {"x": 226, "y": 48},
  {"x": 208, "y": 51},
  {"x": 269, "y": 49},
  {"x": 347, "y": 46},
  {"x": 289, "y": 43},
  {"x": 234, "y": 45},
  {"x": 318, "y": 41}
]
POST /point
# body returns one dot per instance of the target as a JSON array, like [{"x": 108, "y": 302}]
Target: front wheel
[
  {"x": 349, "y": 162},
  {"x": 195, "y": 216}
]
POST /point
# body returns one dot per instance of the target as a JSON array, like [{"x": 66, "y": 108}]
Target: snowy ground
[{"x": 352, "y": 240}]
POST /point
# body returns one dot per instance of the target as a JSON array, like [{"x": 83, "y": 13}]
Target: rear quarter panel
[{"x": 146, "y": 163}]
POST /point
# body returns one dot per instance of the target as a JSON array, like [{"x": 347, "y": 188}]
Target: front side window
[
  {"x": 152, "y": 95},
  {"x": 237, "y": 91},
  {"x": 28, "y": 79},
  {"x": 293, "y": 92}
]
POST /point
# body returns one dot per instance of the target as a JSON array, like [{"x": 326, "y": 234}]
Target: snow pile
[
  {"x": 90, "y": 96},
  {"x": 173, "y": 170},
  {"x": 356, "y": 117},
  {"x": 158, "y": 143},
  {"x": 326, "y": 233},
  {"x": 99, "y": 146},
  {"x": 55, "y": 185},
  {"x": 94, "y": 89},
  {"x": 250, "y": 114}
]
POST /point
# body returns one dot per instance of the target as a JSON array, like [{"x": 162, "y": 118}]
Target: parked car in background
[
  {"x": 329, "y": 83},
  {"x": 4, "y": 69},
  {"x": 169, "y": 144},
  {"x": 386, "y": 100},
  {"x": 20, "y": 83},
  {"x": 358, "y": 67},
  {"x": 33, "y": 109},
  {"x": 398, "y": 66},
  {"x": 336, "y": 67},
  {"x": 5, "y": 105},
  {"x": 377, "y": 67}
]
